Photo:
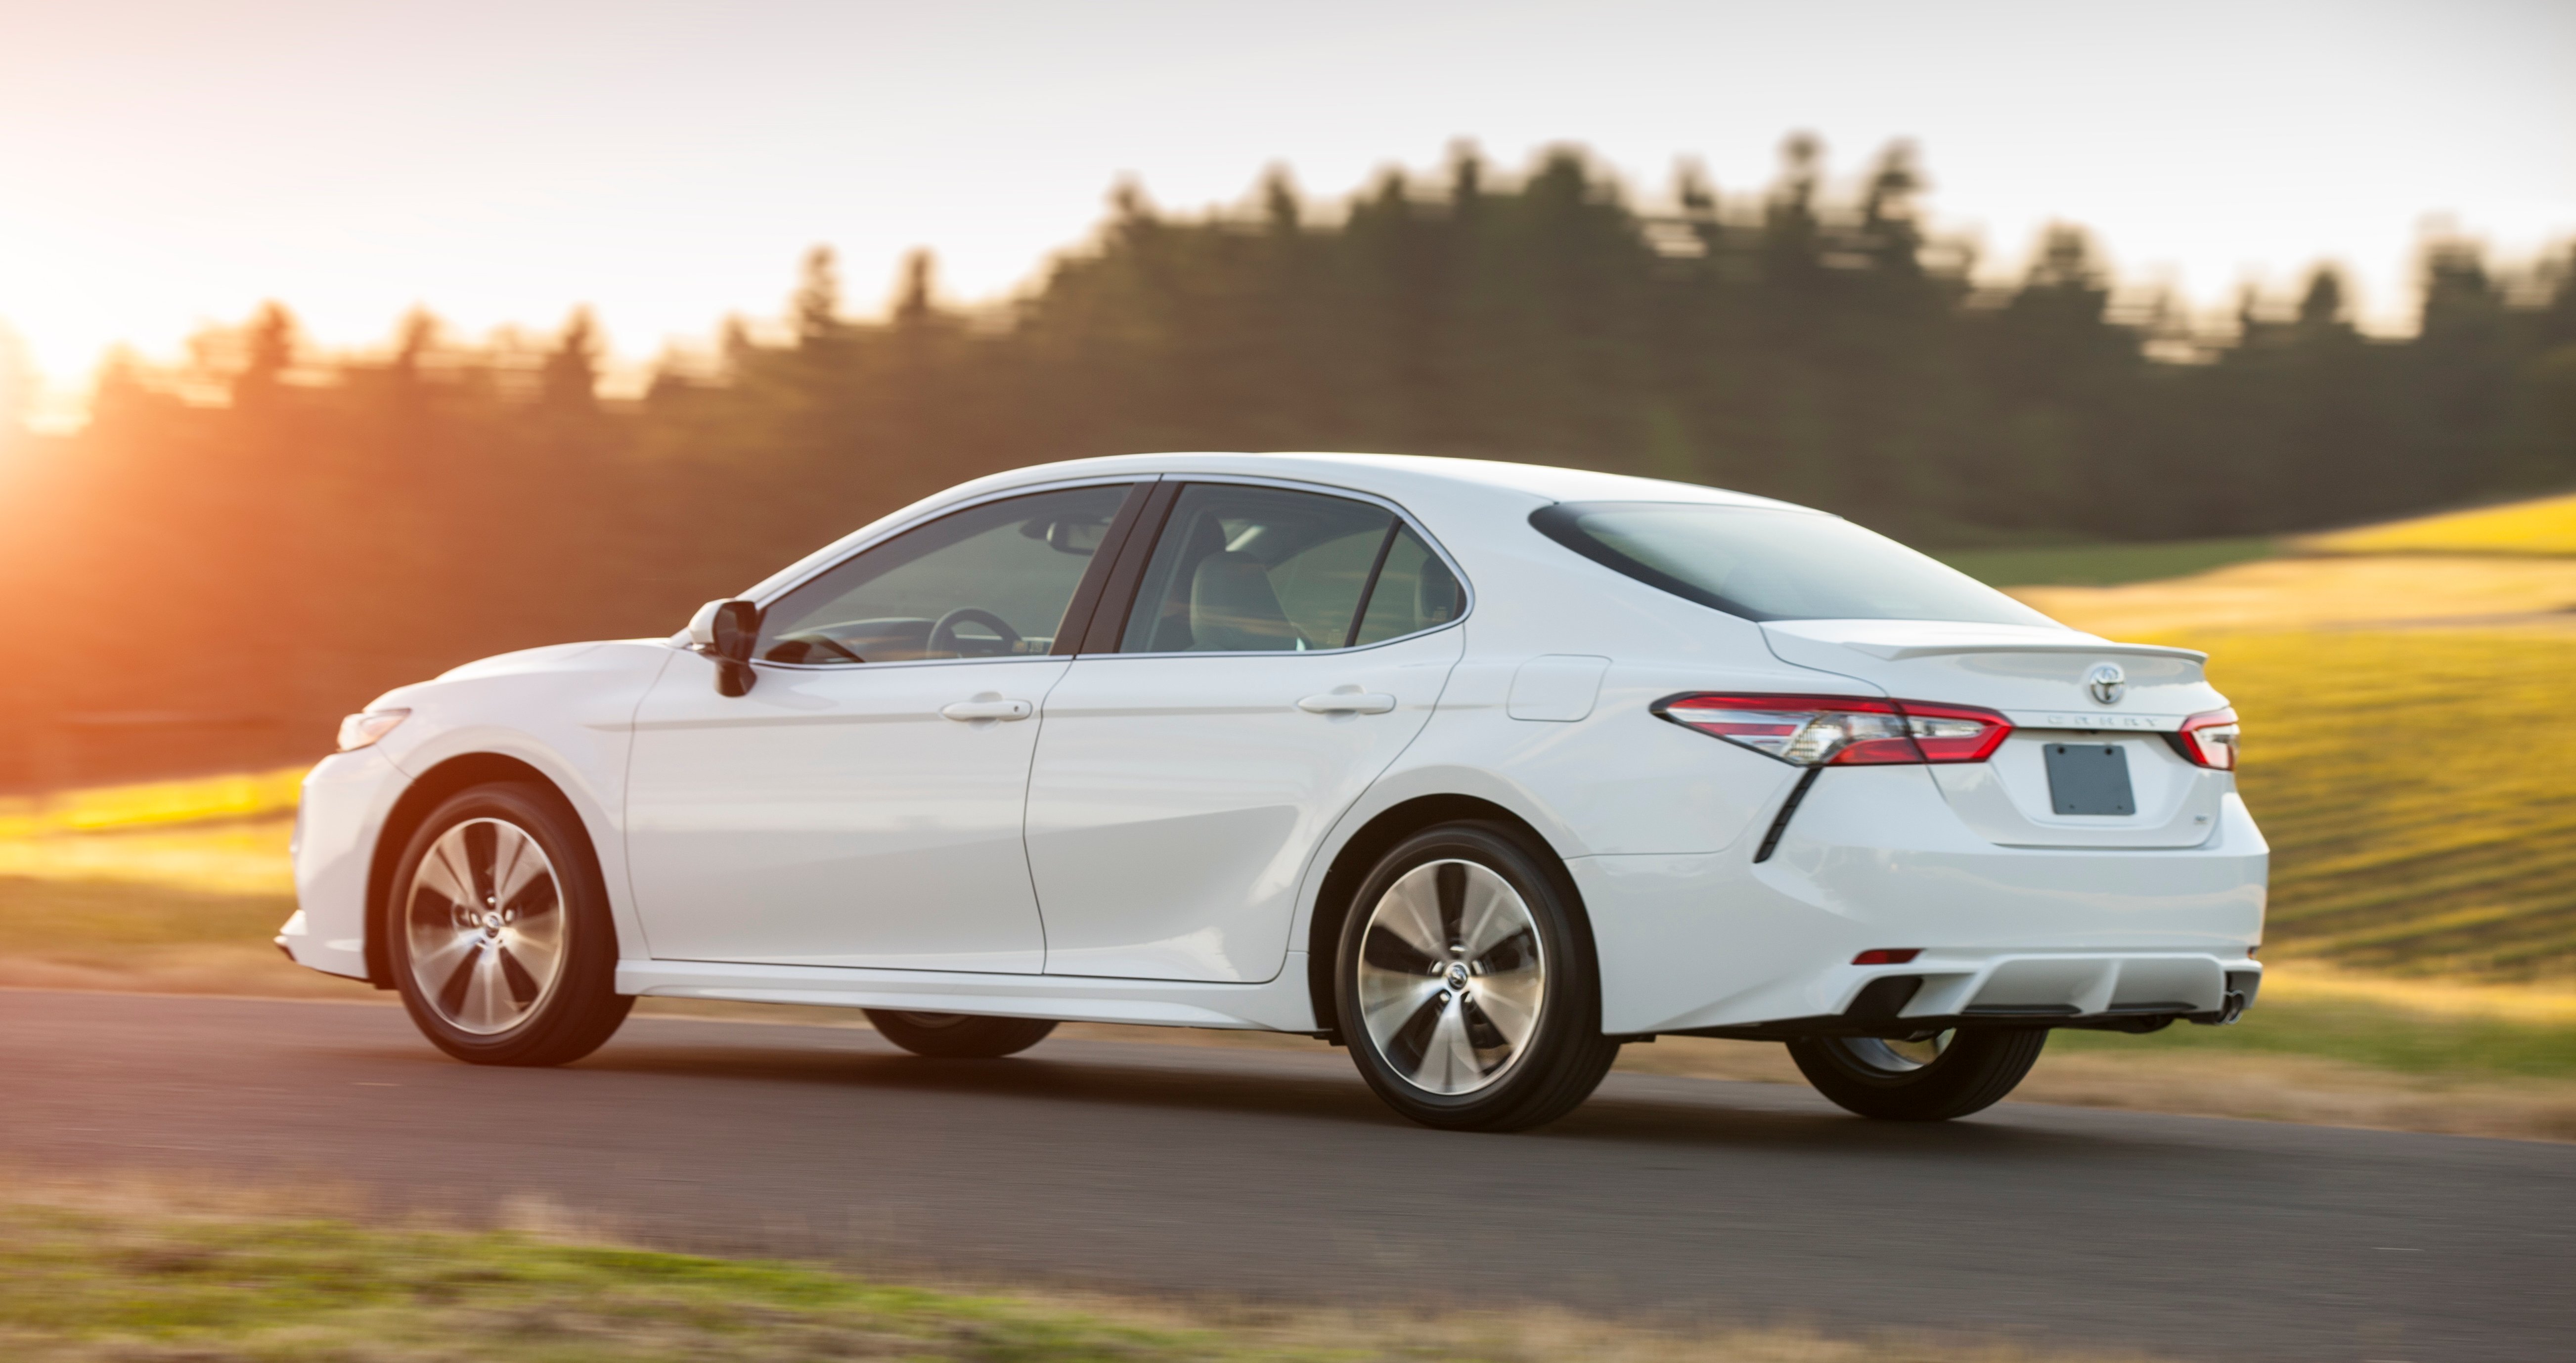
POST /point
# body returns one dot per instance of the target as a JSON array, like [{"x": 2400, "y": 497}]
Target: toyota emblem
[{"x": 2107, "y": 683}]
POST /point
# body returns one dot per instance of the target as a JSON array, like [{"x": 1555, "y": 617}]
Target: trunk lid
[{"x": 2043, "y": 679}]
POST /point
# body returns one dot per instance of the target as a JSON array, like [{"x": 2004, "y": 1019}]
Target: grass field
[
  {"x": 2290, "y": 594},
  {"x": 2104, "y": 565},
  {"x": 2419, "y": 791},
  {"x": 240, "y": 795},
  {"x": 2543, "y": 526},
  {"x": 2410, "y": 749},
  {"x": 123, "y": 1275}
]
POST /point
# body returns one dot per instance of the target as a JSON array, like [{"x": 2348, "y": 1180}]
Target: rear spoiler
[{"x": 2094, "y": 648}]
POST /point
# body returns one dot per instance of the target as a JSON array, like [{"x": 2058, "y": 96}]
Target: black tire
[
  {"x": 1561, "y": 1055},
  {"x": 1973, "y": 1072},
  {"x": 958, "y": 1036},
  {"x": 578, "y": 1007}
]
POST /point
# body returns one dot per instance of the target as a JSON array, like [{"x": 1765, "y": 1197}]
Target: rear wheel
[
  {"x": 1931, "y": 1079},
  {"x": 1465, "y": 984},
  {"x": 499, "y": 934},
  {"x": 958, "y": 1036}
]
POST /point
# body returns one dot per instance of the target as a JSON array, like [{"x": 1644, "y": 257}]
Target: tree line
[{"x": 238, "y": 548}]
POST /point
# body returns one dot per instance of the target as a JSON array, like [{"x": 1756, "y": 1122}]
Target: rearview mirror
[
  {"x": 727, "y": 631},
  {"x": 1068, "y": 537}
]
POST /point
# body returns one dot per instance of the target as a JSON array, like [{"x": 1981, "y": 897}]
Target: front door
[
  {"x": 1183, "y": 782},
  {"x": 861, "y": 806}
]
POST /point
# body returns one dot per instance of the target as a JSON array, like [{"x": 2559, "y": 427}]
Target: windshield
[{"x": 1775, "y": 563}]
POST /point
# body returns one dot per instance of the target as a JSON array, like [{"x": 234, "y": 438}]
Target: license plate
[{"x": 2089, "y": 778}]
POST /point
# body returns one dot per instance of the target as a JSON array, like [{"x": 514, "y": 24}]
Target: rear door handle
[
  {"x": 1348, "y": 703},
  {"x": 988, "y": 709}
]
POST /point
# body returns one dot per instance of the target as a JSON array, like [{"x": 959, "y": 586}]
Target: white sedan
[{"x": 1480, "y": 770}]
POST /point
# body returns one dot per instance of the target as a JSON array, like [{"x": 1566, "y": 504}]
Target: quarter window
[
  {"x": 986, "y": 582},
  {"x": 1415, "y": 591}
]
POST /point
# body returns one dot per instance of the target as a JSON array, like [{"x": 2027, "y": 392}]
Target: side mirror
[{"x": 727, "y": 631}]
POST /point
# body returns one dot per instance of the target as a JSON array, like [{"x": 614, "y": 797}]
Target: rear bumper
[
  {"x": 1875, "y": 859},
  {"x": 2121, "y": 993}
]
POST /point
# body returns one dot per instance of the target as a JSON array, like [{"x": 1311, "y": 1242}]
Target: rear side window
[
  {"x": 1241, "y": 569},
  {"x": 1767, "y": 563}
]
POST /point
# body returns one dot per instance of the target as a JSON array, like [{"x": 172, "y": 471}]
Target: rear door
[
  {"x": 1201, "y": 746},
  {"x": 2089, "y": 718}
]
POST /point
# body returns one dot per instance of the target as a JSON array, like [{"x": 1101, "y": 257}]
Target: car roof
[
  {"x": 1409, "y": 480},
  {"x": 1391, "y": 475}
]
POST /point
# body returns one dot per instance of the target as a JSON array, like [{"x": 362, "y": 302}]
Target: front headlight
[{"x": 363, "y": 729}]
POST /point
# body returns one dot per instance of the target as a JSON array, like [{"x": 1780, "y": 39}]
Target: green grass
[
  {"x": 2382, "y": 1036},
  {"x": 83, "y": 1285},
  {"x": 2104, "y": 565}
]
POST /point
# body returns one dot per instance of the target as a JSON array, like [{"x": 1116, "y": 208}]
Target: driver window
[{"x": 991, "y": 581}]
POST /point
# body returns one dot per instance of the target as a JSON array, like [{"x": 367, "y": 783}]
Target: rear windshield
[{"x": 1775, "y": 563}]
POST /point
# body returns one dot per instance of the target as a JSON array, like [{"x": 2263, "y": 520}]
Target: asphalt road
[{"x": 1275, "y": 1174}]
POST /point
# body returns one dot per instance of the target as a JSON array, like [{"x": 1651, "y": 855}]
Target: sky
[{"x": 169, "y": 164}]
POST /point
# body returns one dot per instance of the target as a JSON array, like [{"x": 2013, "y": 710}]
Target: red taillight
[
  {"x": 1842, "y": 731},
  {"x": 1955, "y": 733},
  {"x": 1888, "y": 956},
  {"x": 2210, "y": 739}
]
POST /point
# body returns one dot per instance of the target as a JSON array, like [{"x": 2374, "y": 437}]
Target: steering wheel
[{"x": 945, "y": 632}]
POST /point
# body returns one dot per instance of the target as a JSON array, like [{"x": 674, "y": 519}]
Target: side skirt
[{"x": 1279, "y": 1004}]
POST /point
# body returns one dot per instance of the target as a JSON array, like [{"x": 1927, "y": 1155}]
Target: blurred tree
[
  {"x": 569, "y": 383},
  {"x": 268, "y": 349},
  {"x": 305, "y": 529}
]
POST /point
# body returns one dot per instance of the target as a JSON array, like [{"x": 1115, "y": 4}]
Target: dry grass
[
  {"x": 175, "y": 910},
  {"x": 2545, "y": 526},
  {"x": 241, "y": 795},
  {"x": 2417, "y": 780},
  {"x": 2420, "y": 796},
  {"x": 2307, "y": 594},
  {"x": 2418, "y": 787},
  {"x": 141, "y": 1271},
  {"x": 240, "y": 858}
]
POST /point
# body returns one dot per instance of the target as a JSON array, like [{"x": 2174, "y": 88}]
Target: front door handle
[
  {"x": 988, "y": 709},
  {"x": 1348, "y": 703}
]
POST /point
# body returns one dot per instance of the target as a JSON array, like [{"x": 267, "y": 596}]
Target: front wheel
[
  {"x": 499, "y": 934},
  {"x": 1465, "y": 984},
  {"x": 958, "y": 1036},
  {"x": 1934, "y": 1079}
]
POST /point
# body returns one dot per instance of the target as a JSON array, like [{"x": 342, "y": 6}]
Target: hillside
[
  {"x": 2544, "y": 526},
  {"x": 2410, "y": 746}
]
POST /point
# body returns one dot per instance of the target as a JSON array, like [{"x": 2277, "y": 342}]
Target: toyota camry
[{"x": 1479, "y": 770}]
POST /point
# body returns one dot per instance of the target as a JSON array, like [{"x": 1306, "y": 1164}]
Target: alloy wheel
[
  {"x": 485, "y": 925},
  {"x": 1452, "y": 976},
  {"x": 1898, "y": 1055}
]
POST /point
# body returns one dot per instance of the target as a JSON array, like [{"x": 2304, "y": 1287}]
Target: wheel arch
[
  {"x": 414, "y": 806},
  {"x": 1359, "y": 854}
]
